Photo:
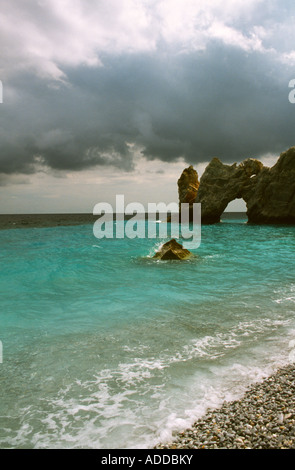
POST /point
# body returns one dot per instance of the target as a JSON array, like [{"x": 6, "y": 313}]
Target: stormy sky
[{"x": 106, "y": 97}]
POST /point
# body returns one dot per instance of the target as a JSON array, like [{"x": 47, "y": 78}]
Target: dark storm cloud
[{"x": 221, "y": 102}]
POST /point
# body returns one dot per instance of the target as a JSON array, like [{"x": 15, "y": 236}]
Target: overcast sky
[{"x": 106, "y": 97}]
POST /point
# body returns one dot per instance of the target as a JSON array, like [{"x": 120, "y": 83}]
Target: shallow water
[{"x": 104, "y": 347}]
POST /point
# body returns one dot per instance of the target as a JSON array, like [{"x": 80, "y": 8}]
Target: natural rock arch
[
  {"x": 269, "y": 193},
  {"x": 236, "y": 205}
]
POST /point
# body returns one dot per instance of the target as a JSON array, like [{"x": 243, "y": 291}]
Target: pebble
[{"x": 264, "y": 418}]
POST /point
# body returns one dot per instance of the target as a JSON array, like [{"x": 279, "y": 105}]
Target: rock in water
[
  {"x": 270, "y": 197},
  {"x": 220, "y": 184},
  {"x": 269, "y": 193},
  {"x": 188, "y": 185},
  {"x": 172, "y": 250}
]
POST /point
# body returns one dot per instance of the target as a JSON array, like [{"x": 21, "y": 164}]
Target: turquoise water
[{"x": 104, "y": 347}]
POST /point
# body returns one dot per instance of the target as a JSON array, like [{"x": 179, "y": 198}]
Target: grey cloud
[{"x": 221, "y": 102}]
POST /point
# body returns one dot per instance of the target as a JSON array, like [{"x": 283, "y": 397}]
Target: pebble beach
[{"x": 264, "y": 418}]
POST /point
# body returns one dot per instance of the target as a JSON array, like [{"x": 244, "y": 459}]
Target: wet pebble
[{"x": 263, "y": 418}]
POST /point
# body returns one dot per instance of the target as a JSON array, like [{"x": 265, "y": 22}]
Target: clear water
[{"x": 104, "y": 347}]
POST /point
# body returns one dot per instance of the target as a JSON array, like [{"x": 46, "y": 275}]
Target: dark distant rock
[
  {"x": 220, "y": 184},
  {"x": 270, "y": 197},
  {"x": 172, "y": 250},
  {"x": 269, "y": 193}
]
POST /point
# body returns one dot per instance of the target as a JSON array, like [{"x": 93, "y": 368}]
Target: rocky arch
[
  {"x": 269, "y": 193},
  {"x": 238, "y": 205}
]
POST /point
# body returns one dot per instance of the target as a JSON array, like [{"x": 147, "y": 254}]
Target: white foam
[
  {"x": 142, "y": 401},
  {"x": 285, "y": 294}
]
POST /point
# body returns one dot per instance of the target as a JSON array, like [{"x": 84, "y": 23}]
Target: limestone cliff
[
  {"x": 269, "y": 193},
  {"x": 188, "y": 185},
  {"x": 270, "y": 197}
]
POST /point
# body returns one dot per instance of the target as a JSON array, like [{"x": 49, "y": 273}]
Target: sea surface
[{"x": 104, "y": 347}]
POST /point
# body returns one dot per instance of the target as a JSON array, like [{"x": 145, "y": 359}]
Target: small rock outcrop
[
  {"x": 172, "y": 250},
  {"x": 269, "y": 193}
]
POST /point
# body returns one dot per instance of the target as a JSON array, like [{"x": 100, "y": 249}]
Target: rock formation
[
  {"x": 188, "y": 185},
  {"x": 172, "y": 250},
  {"x": 270, "y": 197},
  {"x": 269, "y": 193},
  {"x": 221, "y": 184}
]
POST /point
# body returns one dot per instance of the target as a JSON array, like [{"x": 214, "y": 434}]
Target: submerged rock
[
  {"x": 172, "y": 250},
  {"x": 269, "y": 193}
]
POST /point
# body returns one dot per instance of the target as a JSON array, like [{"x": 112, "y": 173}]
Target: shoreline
[{"x": 263, "y": 418}]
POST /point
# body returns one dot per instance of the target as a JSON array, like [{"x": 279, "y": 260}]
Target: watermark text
[
  {"x": 175, "y": 223},
  {"x": 292, "y": 92}
]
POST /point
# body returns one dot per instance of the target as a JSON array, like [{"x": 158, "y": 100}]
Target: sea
[{"x": 104, "y": 347}]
